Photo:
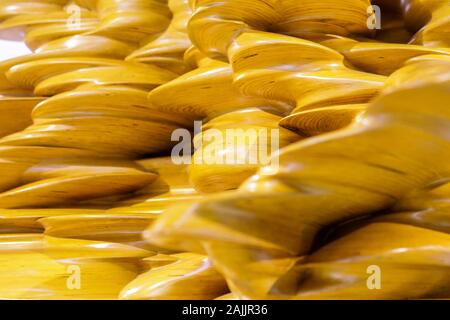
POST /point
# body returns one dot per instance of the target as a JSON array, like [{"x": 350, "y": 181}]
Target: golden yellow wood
[{"x": 87, "y": 174}]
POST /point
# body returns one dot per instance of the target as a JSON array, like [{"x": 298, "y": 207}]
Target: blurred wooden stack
[{"x": 93, "y": 206}]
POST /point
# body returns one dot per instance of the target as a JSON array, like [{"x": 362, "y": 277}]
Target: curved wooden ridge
[{"x": 93, "y": 204}]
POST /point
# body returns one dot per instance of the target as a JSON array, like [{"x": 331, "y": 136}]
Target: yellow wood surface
[{"x": 361, "y": 179}]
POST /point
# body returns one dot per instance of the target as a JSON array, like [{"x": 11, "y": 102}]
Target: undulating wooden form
[{"x": 353, "y": 119}]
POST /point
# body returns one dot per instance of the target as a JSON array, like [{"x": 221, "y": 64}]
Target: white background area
[{"x": 11, "y": 49}]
